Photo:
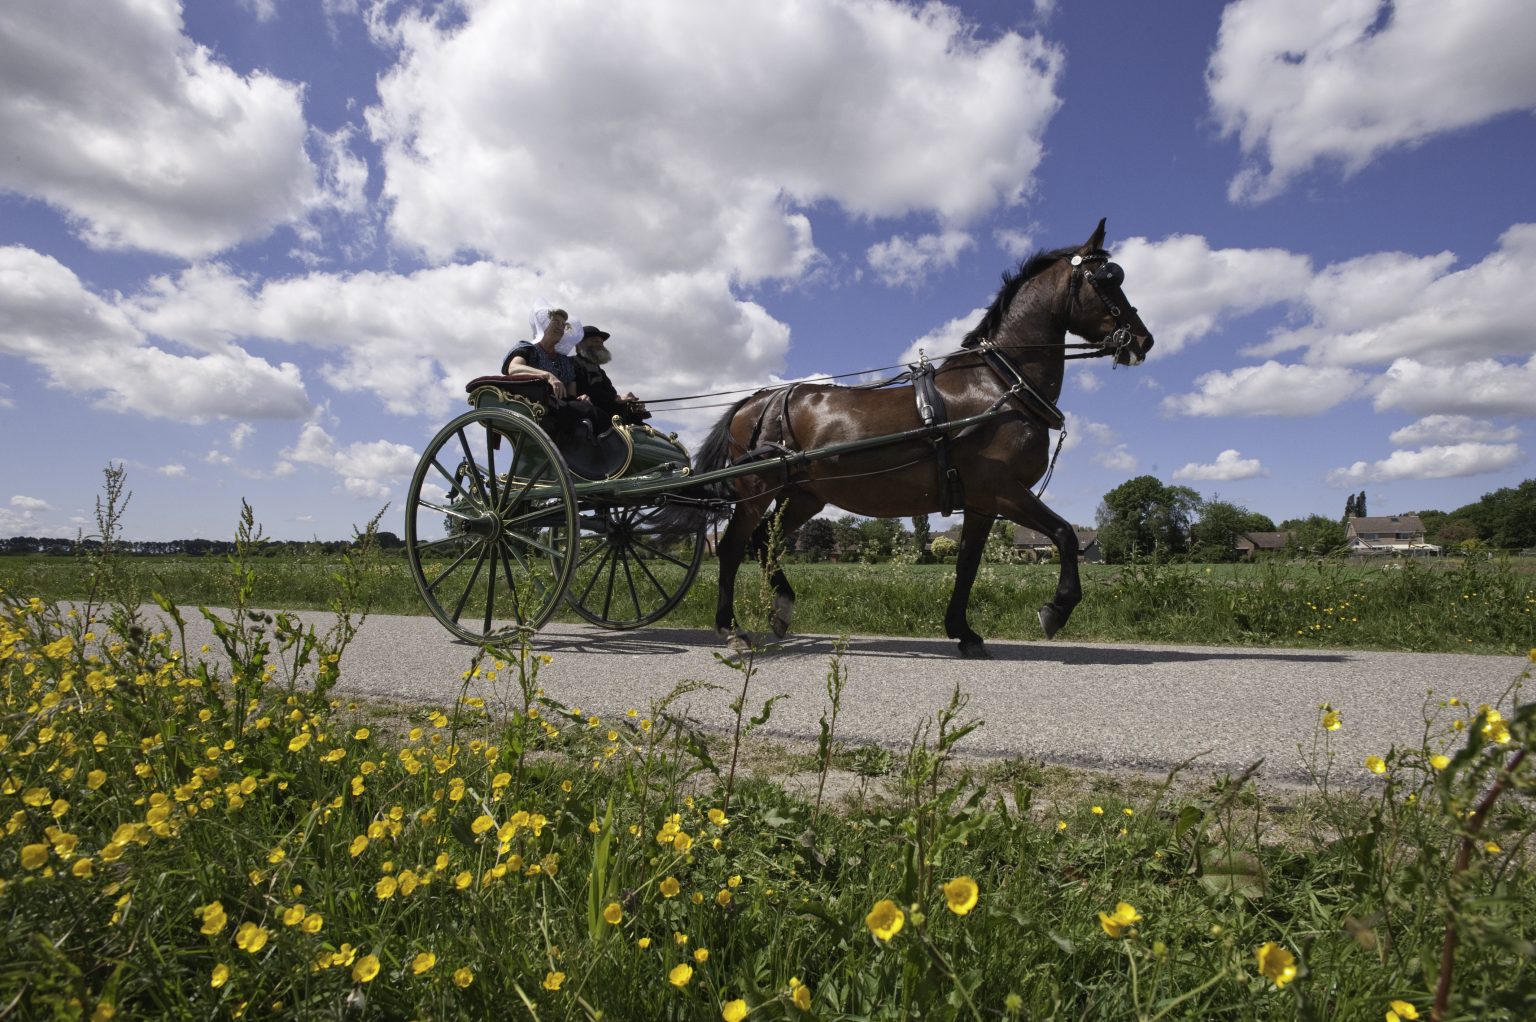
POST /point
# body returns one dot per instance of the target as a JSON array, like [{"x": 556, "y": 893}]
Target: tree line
[{"x": 186, "y": 547}]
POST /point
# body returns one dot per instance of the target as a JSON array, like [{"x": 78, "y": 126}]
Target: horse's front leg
[
  {"x": 1069, "y": 589},
  {"x": 973, "y": 542},
  {"x": 731, "y": 551}
]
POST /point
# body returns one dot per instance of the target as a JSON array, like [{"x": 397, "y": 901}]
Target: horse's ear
[{"x": 1096, "y": 242}]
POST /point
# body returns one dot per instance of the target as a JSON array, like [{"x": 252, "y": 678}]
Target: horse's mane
[{"x": 1013, "y": 280}]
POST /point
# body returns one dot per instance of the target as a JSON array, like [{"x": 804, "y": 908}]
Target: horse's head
[{"x": 1097, "y": 309}]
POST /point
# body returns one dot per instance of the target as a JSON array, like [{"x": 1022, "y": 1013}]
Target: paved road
[{"x": 1084, "y": 704}]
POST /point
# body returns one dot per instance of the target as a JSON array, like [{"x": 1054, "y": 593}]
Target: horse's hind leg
[
  {"x": 973, "y": 541},
  {"x": 731, "y": 551},
  {"x": 770, "y": 534}
]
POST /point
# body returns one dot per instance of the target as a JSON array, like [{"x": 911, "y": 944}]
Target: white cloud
[
  {"x": 1388, "y": 305},
  {"x": 724, "y": 121},
  {"x": 30, "y": 503},
  {"x": 1439, "y": 462},
  {"x": 240, "y": 434},
  {"x": 1018, "y": 244},
  {"x": 371, "y": 470},
  {"x": 1453, "y": 429},
  {"x": 1484, "y": 387},
  {"x": 1184, "y": 289},
  {"x": 1268, "y": 389},
  {"x": 1302, "y": 82},
  {"x": 174, "y": 470},
  {"x": 903, "y": 262},
  {"x": 1118, "y": 459},
  {"x": 141, "y": 136},
  {"x": 942, "y": 340},
  {"x": 85, "y": 344},
  {"x": 1229, "y": 466}
]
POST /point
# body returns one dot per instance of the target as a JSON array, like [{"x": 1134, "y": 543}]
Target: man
[{"x": 592, "y": 380}]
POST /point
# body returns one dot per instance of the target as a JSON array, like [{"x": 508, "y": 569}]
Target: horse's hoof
[
  {"x": 976, "y": 650},
  {"x": 783, "y": 614},
  {"x": 739, "y": 644},
  {"x": 1051, "y": 620}
]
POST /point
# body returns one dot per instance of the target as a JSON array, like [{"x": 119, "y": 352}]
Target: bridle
[{"x": 1105, "y": 278}]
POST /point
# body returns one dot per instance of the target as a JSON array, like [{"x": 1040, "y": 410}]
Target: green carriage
[{"x": 505, "y": 521}]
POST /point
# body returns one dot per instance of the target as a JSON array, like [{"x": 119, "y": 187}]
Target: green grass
[
  {"x": 186, "y": 841},
  {"x": 1477, "y": 606}
]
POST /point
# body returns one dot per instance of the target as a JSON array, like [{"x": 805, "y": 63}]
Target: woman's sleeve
[{"x": 523, "y": 350}]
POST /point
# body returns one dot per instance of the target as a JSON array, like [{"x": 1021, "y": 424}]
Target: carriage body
[{"x": 507, "y": 520}]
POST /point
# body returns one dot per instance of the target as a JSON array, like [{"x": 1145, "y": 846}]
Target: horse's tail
[{"x": 684, "y": 517}]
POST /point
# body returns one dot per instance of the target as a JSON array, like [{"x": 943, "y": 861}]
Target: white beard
[{"x": 597, "y": 355}]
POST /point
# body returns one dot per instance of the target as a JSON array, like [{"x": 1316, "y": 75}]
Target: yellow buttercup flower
[
  {"x": 1124, "y": 917},
  {"x": 366, "y": 969},
  {"x": 1276, "y": 963},
  {"x": 552, "y": 980},
  {"x": 960, "y": 895},
  {"x": 701, "y": 955},
  {"x": 463, "y": 977},
  {"x": 33, "y": 856},
  {"x": 385, "y": 888},
  {"x": 670, "y": 887},
  {"x": 1439, "y": 762},
  {"x": 885, "y": 920},
  {"x": 613, "y": 913},
  {"x": 482, "y": 824},
  {"x": 734, "y": 1011},
  {"x": 1401, "y": 1011},
  {"x": 213, "y": 918},
  {"x": 799, "y": 994},
  {"x": 358, "y": 846},
  {"x": 1331, "y": 719},
  {"x": 422, "y": 963},
  {"x": 1375, "y": 764},
  {"x": 250, "y": 937},
  {"x": 680, "y": 975},
  {"x": 220, "y": 976}
]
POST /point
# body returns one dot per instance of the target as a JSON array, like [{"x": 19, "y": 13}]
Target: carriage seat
[{"x": 588, "y": 455}]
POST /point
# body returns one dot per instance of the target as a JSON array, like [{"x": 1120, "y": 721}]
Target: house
[
  {"x": 1395, "y": 534},
  {"x": 1248, "y": 544},
  {"x": 1038, "y": 546}
]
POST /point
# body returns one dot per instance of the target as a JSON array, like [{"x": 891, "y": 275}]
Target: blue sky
[{"x": 254, "y": 248}]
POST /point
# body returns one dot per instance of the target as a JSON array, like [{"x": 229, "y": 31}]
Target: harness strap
[{"x": 930, "y": 408}]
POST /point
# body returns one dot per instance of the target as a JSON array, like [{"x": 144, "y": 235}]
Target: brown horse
[{"x": 1014, "y": 363}]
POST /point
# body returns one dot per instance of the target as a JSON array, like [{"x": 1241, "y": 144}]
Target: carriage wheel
[
  {"x": 490, "y": 526},
  {"x": 628, "y": 573}
]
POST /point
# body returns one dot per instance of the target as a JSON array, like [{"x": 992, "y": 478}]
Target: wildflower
[
  {"x": 1276, "y": 963},
  {"x": 251, "y": 937},
  {"x": 643, "y": 943},
  {"x": 1098, "y": 810},
  {"x": 1439, "y": 762},
  {"x": 366, "y": 968},
  {"x": 423, "y": 963},
  {"x": 680, "y": 975},
  {"x": 293, "y": 916},
  {"x": 734, "y": 1011},
  {"x": 33, "y": 856},
  {"x": 552, "y": 980},
  {"x": 298, "y": 741},
  {"x": 734, "y": 881},
  {"x": 84, "y": 867},
  {"x": 701, "y": 955},
  {"x": 723, "y": 897},
  {"x": 463, "y": 879},
  {"x": 718, "y": 817},
  {"x": 613, "y": 913},
  {"x": 799, "y": 994},
  {"x": 1375, "y": 764},
  {"x": 358, "y": 846},
  {"x": 1128, "y": 811},
  {"x": 276, "y": 855},
  {"x": 1122, "y": 919},
  {"x": 960, "y": 895},
  {"x": 1013, "y": 1004},
  {"x": 885, "y": 919},
  {"x": 463, "y": 977},
  {"x": 313, "y": 922},
  {"x": 220, "y": 976},
  {"x": 670, "y": 887},
  {"x": 385, "y": 888},
  {"x": 1399, "y": 1011},
  {"x": 1492, "y": 848},
  {"x": 213, "y": 918},
  {"x": 1061, "y": 825},
  {"x": 95, "y": 779},
  {"x": 1495, "y": 729},
  {"x": 1331, "y": 719}
]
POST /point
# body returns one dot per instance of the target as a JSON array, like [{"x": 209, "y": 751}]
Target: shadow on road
[{"x": 676, "y": 642}]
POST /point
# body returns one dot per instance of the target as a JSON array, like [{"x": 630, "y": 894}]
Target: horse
[{"x": 1013, "y": 361}]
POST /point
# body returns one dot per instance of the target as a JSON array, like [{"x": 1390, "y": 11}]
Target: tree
[
  {"x": 1315, "y": 535},
  {"x": 1142, "y": 517},
  {"x": 817, "y": 540},
  {"x": 1360, "y": 511},
  {"x": 922, "y": 534},
  {"x": 1214, "y": 536},
  {"x": 943, "y": 547},
  {"x": 1349, "y": 508},
  {"x": 850, "y": 543}
]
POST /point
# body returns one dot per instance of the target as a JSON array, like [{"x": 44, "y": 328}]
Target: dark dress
[{"x": 567, "y": 414}]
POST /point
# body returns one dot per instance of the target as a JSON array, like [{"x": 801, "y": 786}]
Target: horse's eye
[{"x": 1110, "y": 273}]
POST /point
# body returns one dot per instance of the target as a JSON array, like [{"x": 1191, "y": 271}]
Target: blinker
[{"x": 1109, "y": 274}]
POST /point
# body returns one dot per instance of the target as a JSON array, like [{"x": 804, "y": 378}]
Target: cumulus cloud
[
  {"x": 371, "y": 470},
  {"x": 85, "y": 343},
  {"x": 174, "y": 470},
  {"x": 1268, "y": 389},
  {"x": 1229, "y": 465},
  {"x": 1453, "y": 429},
  {"x": 1483, "y": 387},
  {"x": 1437, "y": 462},
  {"x": 30, "y": 503},
  {"x": 1184, "y": 289},
  {"x": 1018, "y": 244},
  {"x": 1303, "y": 82},
  {"x": 141, "y": 136},
  {"x": 906, "y": 262}
]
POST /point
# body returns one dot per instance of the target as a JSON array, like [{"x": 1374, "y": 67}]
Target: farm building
[
  {"x": 1040, "y": 547},
  {"x": 1251, "y": 544}
]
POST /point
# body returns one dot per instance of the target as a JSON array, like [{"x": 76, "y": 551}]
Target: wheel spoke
[
  {"x": 537, "y": 544},
  {"x": 660, "y": 589},
  {"x": 660, "y": 553},
  {"x": 597, "y": 573},
  {"x": 634, "y": 597},
  {"x": 490, "y": 589},
  {"x": 450, "y": 512},
  {"x": 474, "y": 469},
  {"x": 506, "y": 572},
  {"x": 473, "y": 578},
  {"x": 432, "y": 586}
]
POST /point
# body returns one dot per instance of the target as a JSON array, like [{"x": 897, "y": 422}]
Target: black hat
[{"x": 593, "y": 331}]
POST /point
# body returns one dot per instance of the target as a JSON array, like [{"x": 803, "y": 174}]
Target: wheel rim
[
  {"x": 490, "y": 526},
  {"x": 628, "y": 573}
]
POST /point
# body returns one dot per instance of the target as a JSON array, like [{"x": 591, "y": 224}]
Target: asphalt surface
[{"x": 1082, "y": 704}]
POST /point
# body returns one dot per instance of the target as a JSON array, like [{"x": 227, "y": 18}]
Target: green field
[{"x": 1484, "y": 606}]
